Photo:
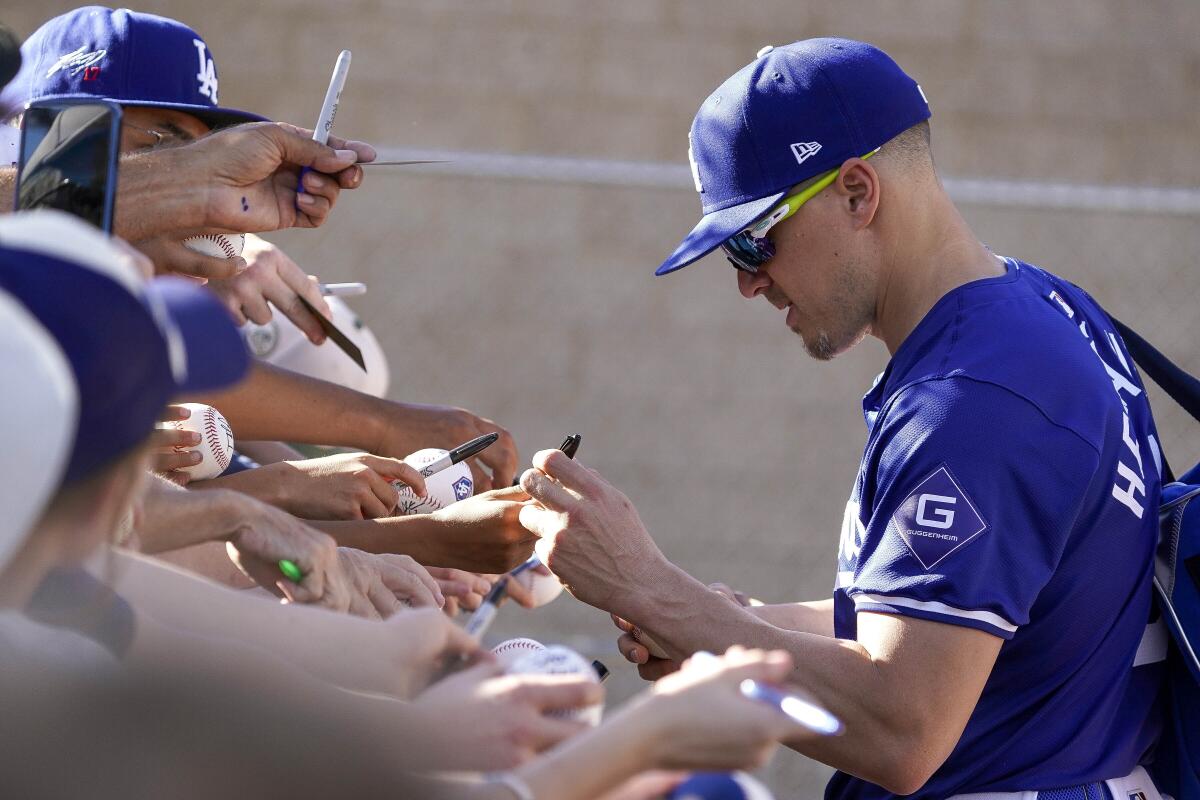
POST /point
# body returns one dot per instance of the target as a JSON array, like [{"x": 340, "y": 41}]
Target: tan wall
[{"x": 737, "y": 449}]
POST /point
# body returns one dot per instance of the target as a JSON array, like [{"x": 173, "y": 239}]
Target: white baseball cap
[
  {"x": 281, "y": 344},
  {"x": 38, "y": 416}
]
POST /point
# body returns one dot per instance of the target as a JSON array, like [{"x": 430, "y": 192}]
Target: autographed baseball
[
  {"x": 217, "y": 245},
  {"x": 216, "y": 440},
  {"x": 445, "y": 487},
  {"x": 541, "y": 586},
  {"x": 511, "y": 651},
  {"x": 559, "y": 660}
]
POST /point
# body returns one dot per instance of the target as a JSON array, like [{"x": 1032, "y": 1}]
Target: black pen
[
  {"x": 460, "y": 453},
  {"x": 569, "y": 446}
]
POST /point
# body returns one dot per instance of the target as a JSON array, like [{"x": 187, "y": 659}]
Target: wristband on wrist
[{"x": 509, "y": 781}]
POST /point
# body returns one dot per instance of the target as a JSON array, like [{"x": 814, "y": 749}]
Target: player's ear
[{"x": 858, "y": 185}]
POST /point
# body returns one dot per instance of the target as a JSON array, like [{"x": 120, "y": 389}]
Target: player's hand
[
  {"x": 408, "y": 427},
  {"x": 599, "y": 547},
  {"x": 272, "y": 278},
  {"x": 341, "y": 486},
  {"x": 684, "y": 704},
  {"x": 171, "y": 450},
  {"x": 248, "y": 176},
  {"x": 496, "y": 721},
  {"x": 172, "y": 257},
  {"x": 461, "y": 589},
  {"x": 483, "y": 533},
  {"x": 382, "y": 584},
  {"x": 265, "y": 535}
]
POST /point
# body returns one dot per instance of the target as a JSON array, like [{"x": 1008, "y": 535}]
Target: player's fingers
[
  {"x": 547, "y": 491},
  {"x": 539, "y": 521},
  {"x": 634, "y": 651},
  {"x": 624, "y": 625},
  {"x": 571, "y": 473}
]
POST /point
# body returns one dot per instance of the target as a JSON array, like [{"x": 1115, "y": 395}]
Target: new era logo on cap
[
  {"x": 804, "y": 150},
  {"x": 937, "y": 518}
]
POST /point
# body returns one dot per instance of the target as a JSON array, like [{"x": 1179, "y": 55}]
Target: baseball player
[{"x": 987, "y": 631}]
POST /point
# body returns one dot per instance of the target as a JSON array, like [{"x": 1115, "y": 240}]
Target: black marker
[
  {"x": 569, "y": 446},
  {"x": 460, "y": 453}
]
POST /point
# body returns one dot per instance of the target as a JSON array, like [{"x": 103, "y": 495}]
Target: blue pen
[{"x": 802, "y": 712}]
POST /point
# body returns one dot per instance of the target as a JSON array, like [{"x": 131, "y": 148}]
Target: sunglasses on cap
[{"x": 750, "y": 249}]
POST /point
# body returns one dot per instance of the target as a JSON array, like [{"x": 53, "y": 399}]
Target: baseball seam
[
  {"x": 504, "y": 647},
  {"x": 220, "y": 241},
  {"x": 213, "y": 437}
]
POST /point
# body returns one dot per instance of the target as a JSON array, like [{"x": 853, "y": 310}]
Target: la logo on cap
[
  {"x": 208, "y": 72},
  {"x": 805, "y": 150}
]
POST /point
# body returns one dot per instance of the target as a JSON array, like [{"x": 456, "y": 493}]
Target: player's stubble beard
[{"x": 849, "y": 313}]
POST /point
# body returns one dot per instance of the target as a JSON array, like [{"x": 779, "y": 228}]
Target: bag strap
[{"x": 1182, "y": 387}]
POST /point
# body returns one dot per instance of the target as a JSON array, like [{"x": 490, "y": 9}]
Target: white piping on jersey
[
  {"x": 1153, "y": 646},
  {"x": 995, "y": 620}
]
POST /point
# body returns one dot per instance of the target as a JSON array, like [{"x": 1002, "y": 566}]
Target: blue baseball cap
[
  {"x": 128, "y": 57},
  {"x": 794, "y": 112},
  {"x": 132, "y": 345}
]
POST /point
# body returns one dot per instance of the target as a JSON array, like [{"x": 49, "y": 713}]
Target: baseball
[
  {"x": 445, "y": 487},
  {"x": 217, "y": 245},
  {"x": 541, "y": 586},
  {"x": 511, "y": 651},
  {"x": 216, "y": 440},
  {"x": 559, "y": 660}
]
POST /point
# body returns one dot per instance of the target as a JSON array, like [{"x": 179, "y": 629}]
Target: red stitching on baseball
[
  {"x": 214, "y": 439},
  {"x": 222, "y": 242}
]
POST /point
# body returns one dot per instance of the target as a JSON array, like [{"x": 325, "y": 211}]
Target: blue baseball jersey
[{"x": 1010, "y": 483}]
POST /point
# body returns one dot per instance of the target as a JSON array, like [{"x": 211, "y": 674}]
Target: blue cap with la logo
[
  {"x": 794, "y": 112},
  {"x": 128, "y": 57}
]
